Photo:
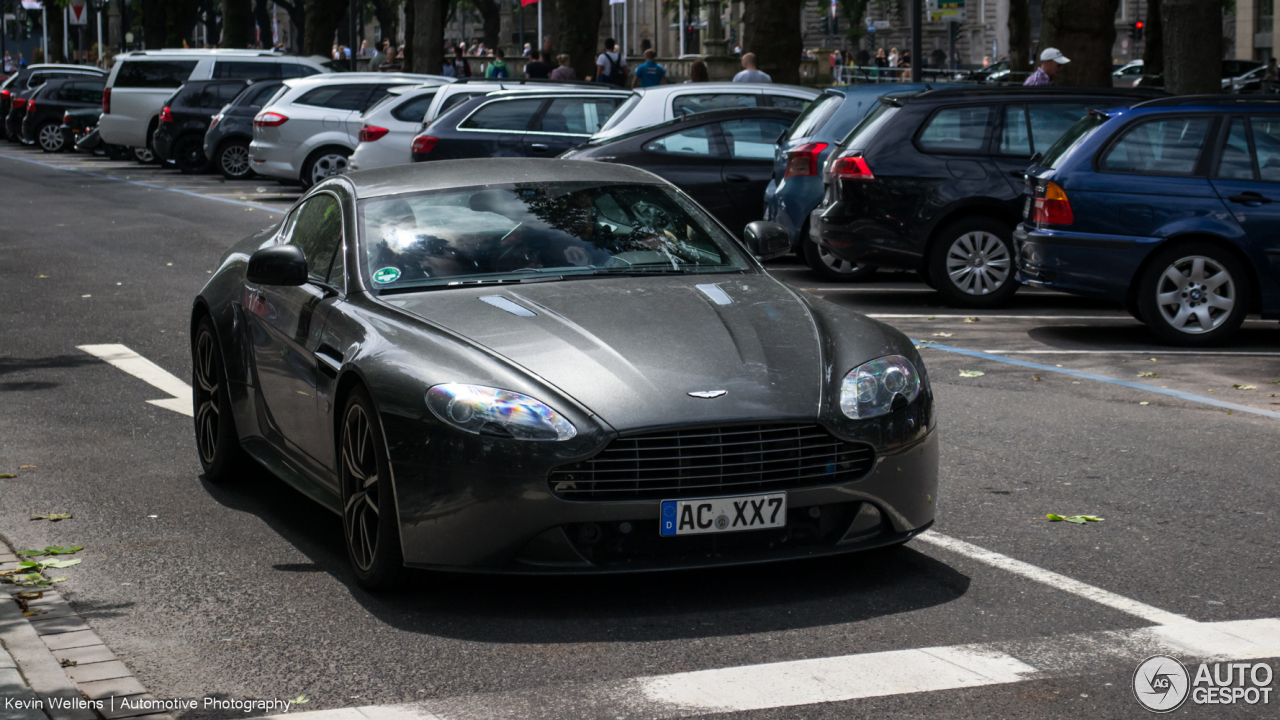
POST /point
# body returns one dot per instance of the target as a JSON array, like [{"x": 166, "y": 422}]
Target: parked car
[
  {"x": 991, "y": 74},
  {"x": 513, "y": 123},
  {"x": 185, "y": 118},
  {"x": 387, "y": 129},
  {"x": 722, "y": 159},
  {"x": 1170, "y": 206},
  {"x": 23, "y": 82},
  {"x": 932, "y": 182},
  {"x": 310, "y": 128},
  {"x": 42, "y": 121},
  {"x": 226, "y": 142},
  {"x": 466, "y": 88},
  {"x": 1233, "y": 72},
  {"x": 658, "y": 104},
  {"x": 1127, "y": 75},
  {"x": 142, "y": 80},
  {"x": 552, "y": 366},
  {"x": 78, "y": 123},
  {"x": 796, "y": 186}
]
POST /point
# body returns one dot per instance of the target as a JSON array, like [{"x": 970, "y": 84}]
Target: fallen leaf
[
  {"x": 971, "y": 373},
  {"x": 52, "y": 550},
  {"x": 42, "y": 277},
  {"x": 1148, "y": 374},
  {"x": 972, "y": 319},
  {"x": 68, "y": 663},
  {"x": 1036, "y": 378},
  {"x": 85, "y": 296},
  {"x": 7, "y": 475},
  {"x": 1077, "y": 519},
  {"x": 52, "y": 517},
  {"x": 29, "y": 596},
  {"x": 932, "y": 317},
  {"x": 300, "y": 700},
  {"x": 943, "y": 334},
  {"x": 1212, "y": 390},
  {"x": 1144, "y": 403},
  {"x": 1245, "y": 387},
  {"x": 59, "y": 564},
  {"x": 26, "y": 467},
  {"x": 1154, "y": 360}
]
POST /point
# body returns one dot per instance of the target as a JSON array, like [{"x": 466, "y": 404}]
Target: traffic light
[{"x": 1135, "y": 30}]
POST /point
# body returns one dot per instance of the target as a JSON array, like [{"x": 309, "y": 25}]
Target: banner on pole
[
  {"x": 527, "y": 3},
  {"x": 32, "y": 4},
  {"x": 79, "y": 11}
]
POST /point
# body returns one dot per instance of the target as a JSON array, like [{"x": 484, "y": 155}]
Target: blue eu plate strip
[{"x": 667, "y": 521}]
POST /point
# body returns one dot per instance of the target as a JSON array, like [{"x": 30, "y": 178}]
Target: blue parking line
[
  {"x": 1102, "y": 378},
  {"x": 146, "y": 185}
]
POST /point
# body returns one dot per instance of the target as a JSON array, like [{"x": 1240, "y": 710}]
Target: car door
[
  {"x": 747, "y": 170},
  {"x": 285, "y": 326},
  {"x": 495, "y": 129},
  {"x": 565, "y": 123},
  {"x": 1247, "y": 179},
  {"x": 692, "y": 159}
]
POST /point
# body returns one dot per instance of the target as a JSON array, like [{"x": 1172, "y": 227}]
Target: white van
[{"x": 141, "y": 81}]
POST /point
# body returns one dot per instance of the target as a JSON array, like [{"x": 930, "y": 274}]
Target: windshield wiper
[{"x": 452, "y": 284}]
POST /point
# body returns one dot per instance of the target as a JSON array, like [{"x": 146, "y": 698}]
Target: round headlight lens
[
  {"x": 870, "y": 389},
  {"x": 502, "y": 413}
]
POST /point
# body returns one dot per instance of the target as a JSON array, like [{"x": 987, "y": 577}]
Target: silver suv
[{"x": 310, "y": 128}]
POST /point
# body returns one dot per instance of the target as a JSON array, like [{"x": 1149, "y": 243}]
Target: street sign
[
  {"x": 79, "y": 12},
  {"x": 946, "y": 11}
]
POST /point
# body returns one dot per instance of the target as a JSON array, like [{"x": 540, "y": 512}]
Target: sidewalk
[{"x": 19, "y": 702}]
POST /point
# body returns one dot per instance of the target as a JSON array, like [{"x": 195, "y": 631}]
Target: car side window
[
  {"x": 753, "y": 139},
  {"x": 502, "y": 115},
  {"x": 379, "y": 92},
  {"x": 1236, "y": 162},
  {"x": 577, "y": 116},
  {"x": 1050, "y": 121},
  {"x": 787, "y": 103},
  {"x": 154, "y": 73},
  {"x": 697, "y": 141},
  {"x": 456, "y": 99},
  {"x": 1266, "y": 144},
  {"x": 413, "y": 110},
  {"x": 1166, "y": 146},
  {"x": 702, "y": 102},
  {"x": 336, "y": 97},
  {"x": 229, "y": 70},
  {"x": 957, "y": 129},
  {"x": 294, "y": 70},
  {"x": 316, "y": 227},
  {"x": 1014, "y": 136},
  {"x": 259, "y": 93},
  {"x": 218, "y": 94}
]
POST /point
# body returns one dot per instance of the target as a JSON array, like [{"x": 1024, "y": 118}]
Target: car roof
[
  {"x": 513, "y": 92},
  {"x": 964, "y": 92},
  {"x": 874, "y": 89},
  {"x": 205, "y": 52},
  {"x": 57, "y": 66},
  {"x": 365, "y": 77},
  {"x": 447, "y": 174},
  {"x": 722, "y": 87},
  {"x": 1212, "y": 102}
]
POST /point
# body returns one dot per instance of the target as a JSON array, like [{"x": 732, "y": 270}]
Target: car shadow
[
  {"x": 616, "y": 607},
  {"x": 1135, "y": 336}
]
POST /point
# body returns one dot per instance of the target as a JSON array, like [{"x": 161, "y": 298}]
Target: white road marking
[
  {"x": 131, "y": 362},
  {"x": 1223, "y": 353}
]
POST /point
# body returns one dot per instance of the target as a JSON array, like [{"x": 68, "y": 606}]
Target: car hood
[{"x": 632, "y": 349}]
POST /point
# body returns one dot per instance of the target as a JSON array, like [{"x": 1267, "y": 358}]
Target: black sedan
[
  {"x": 552, "y": 366},
  {"x": 185, "y": 119},
  {"x": 723, "y": 159},
  {"x": 46, "y": 108}
]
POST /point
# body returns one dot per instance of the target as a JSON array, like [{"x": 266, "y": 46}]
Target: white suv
[
  {"x": 309, "y": 129},
  {"x": 658, "y": 104},
  {"x": 141, "y": 81}
]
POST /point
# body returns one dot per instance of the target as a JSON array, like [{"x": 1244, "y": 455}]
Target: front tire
[
  {"x": 1194, "y": 294},
  {"x": 232, "y": 160},
  {"x": 188, "y": 155},
  {"x": 50, "y": 138},
  {"x": 972, "y": 263},
  {"x": 369, "y": 519},
  {"x": 324, "y": 163},
  {"x": 217, "y": 442}
]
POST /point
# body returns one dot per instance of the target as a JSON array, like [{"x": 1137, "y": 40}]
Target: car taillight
[
  {"x": 424, "y": 143},
  {"x": 1053, "y": 208},
  {"x": 803, "y": 161},
  {"x": 19, "y": 103},
  {"x": 852, "y": 167},
  {"x": 31, "y": 105},
  {"x": 66, "y": 118},
  {"x": 369, "y": 133},
  {"x": 106, "y": 101},
  {"x": 270, "y": 119},
  {"x": 165, "y": 115}
]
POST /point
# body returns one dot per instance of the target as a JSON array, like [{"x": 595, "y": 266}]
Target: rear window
[
  {"x": 415, "y": 109},
  {"x": 293, "y": 70},
  {"x": 1071, "y": 139},
  {"x": 82, "y": 92},
  {"x": 455, "y": 99},
  {"x": 957, "y": 129},
  {"x": 232, "y": 70},
  {"x": 215, "y": 95},
  {"x": 255, "y": 94},
  {"x": 690, "y": 104},
  {"x": 815, "y": 116},
  {"x": 503, "y": 115},
  {"x": 861, "y": 135},
  {"x": 621, "y": 112},
  {"x": 336, "y": 97},
  {"x": 154, "y": 73},
  {"x": 1168, "y": 146}
]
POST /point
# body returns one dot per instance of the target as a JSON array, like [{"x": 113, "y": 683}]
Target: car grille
[{"x": 701, "y": 461}]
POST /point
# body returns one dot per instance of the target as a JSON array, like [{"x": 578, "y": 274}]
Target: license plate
[{"x": 723, "y": 514}]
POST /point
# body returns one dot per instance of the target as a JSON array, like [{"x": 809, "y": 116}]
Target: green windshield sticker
[{"x": 386, "y": 275}]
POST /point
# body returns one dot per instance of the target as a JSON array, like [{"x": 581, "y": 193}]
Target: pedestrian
[
  {"x": 528, "y": 48},
  {"x": 1051, "y": 60},
  {"x": 893, "y": 58},
  {"x": 749, "y": 73},
  {"x": 8, "y": 64},
  {"x": 564, "y": 72},
  {"x": 698, "y": 72},
  {"x": 461, "y": 67},
  {"x": 649, "y": 73},
  {"x": 986, "y": 61},
  {"x": 474, "y": 49},
  {"x": 498, "y": 68},
  {"x": 611, "y": 67},
  {"x": 535, "y": 69},
  {"x": 379, "y": 57},
  {"x": 904, "y": 65},
  {"x": 881, "y": 62},
  {"x": 364, "y": 49}
]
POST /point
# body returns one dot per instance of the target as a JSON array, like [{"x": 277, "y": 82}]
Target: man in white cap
[{"x": 1051, "y": 60}]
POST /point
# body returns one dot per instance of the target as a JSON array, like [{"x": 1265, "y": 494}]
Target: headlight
[
  {"x": 869, "y": 390},
  {"x": 490, "y": 411}
]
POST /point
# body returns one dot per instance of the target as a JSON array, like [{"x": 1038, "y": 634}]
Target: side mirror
[
  {"x": 278, "y": 265},
  {"x": 767, "y": 240}
]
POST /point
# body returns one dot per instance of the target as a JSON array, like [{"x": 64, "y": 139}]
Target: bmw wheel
[
  {"x": 972, "y": 263},
  {"x": 143, "y": 155},
  {"x": 50, "y": 138},
  {"x": 324, "y": 163},
  {"x": 188, "y": 155},
  {"x": 1194, "y": 294},
  {"x": 831, "y": 268},
  {"x": 218, "y": 443},
  {"x": 368, "y": 504},
  {"x": 232, "y": 160}
]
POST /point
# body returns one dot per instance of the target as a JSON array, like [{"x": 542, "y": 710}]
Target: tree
[
  {"x": 153, "y": 24},
  {"x": 237, "y": 24},
  {"x": 771, "y": 30},
  {"x": 429, "y": 18},
  {"x": 1085, "y": 31},
  {"x": 1019, "y": 36},
  {"x": 262, "y": 19},
  {"x": 491, "y": 14},
  {"x": 410, "y": 13},
  {"x": 388, "y": 14},
  {"x": 1192, "y": 46},
  {"x": 576, "y": 26},
  {"x": 180, "y": 19},
  {"x": 322, "y": 18},
  {"x": 1152, "y": 35}
]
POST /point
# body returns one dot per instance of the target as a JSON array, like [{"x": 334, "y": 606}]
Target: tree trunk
[
  {"x": 1152, "y": 35},
  {"x": 771, "y": 30},
  {"x": 322, "y": 18},
  {"x": 212, "y": 25},
  {"x": 428, "y": 36},
  {"x": 492, "y": 16},
  {"x": 388, "y": 14},
  {"x": 1085, "y": 31},
  {"x": 182, "y": 18},
  {"x": 410, "y": 15},
  {"x": 298, "y": 18},
  {"x": 262, "y": 19},
  {"x": 153, "y": 23},
  {"x": 1192, "y": 46},
  {"x": 237, "y": 24},
  {"x": 54, "y": 14},
  {"x": 1020, "y": 60},
  {"x": 575, "y": 33}
]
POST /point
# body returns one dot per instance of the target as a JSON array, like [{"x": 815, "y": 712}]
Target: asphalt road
[{"x": 245, "y": 592}]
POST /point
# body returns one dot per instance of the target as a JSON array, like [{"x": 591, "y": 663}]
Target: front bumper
[{"x": 1088, "y": 264}]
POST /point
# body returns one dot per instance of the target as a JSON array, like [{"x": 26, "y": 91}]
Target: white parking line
[
  {"x": 936, "y": 316},
  {"x": 1222, "y": 353},
  {"x": 131, "y": 362}
]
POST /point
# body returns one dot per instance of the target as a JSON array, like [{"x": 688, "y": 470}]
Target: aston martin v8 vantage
[{"x": 554, "y": 366}]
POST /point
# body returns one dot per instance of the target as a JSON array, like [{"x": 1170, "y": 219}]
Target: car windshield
[
  {"x": 1074, "y": 136},
  {"x": 527, "y": 231}
]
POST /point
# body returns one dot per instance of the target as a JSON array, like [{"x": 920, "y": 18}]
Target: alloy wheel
[
  {"x": 50, "y": 138},
  {"x": 1195, "y": 294},
  {"x": 360, "y": 488},
  {"x": 235, "y": 160},
  {"x": 978, "y": 263},
  {"x": 328, "y": 166},
  {"x": 206, "y": 391},
  {"x": 143, "y": 155},
  {"x": 836, "y": 265}
]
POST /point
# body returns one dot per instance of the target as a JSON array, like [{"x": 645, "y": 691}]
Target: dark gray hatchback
[{"x": 226, "y": 143}]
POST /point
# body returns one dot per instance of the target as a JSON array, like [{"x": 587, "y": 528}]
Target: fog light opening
[{"x": 590, "y": 534}]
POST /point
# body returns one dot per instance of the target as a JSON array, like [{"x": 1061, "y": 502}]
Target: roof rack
[{"x": 1216, "y": 100}]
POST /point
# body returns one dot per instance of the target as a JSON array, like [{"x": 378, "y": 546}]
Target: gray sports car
[{"x": 554, "y": 366}]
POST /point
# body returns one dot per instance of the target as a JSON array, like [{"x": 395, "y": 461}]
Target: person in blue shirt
[{"x": 649, "y": 73}]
